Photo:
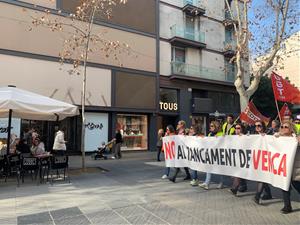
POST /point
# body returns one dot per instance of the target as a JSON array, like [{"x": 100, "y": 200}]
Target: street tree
[
  {"x": 80, "y": 41},
  {"x": 265, "y": 31}
]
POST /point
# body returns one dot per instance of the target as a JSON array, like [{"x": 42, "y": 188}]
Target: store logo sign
[
  {"x": 92, "y": 126},
  {"x": 170, "y": 106}
]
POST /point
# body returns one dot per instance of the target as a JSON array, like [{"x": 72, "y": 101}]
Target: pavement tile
[
  {"x": 65, "y": 213},
  {"x": 38, "y": 218},
  {"x": 78, "y": 220},
  {"x": 106, "y": 217}
]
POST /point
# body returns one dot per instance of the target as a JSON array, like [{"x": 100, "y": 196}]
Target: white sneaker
[
  {"x": 194, "y": 182},
  {"x": 220, "y": 185},
  {"x": 164, "y": 176},
  {"x": 204, "y": 185}
]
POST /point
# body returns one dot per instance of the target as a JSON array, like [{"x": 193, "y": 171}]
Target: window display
[{"x": 134, "y": 130}]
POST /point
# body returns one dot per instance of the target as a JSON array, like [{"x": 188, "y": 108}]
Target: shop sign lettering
[
  {"x": 92, "y": 126},
  {"x": 168, "y": 106}
]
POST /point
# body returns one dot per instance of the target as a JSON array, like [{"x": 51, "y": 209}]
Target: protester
[
  {"x": 59, "y": 146},
  {"x": 170, "y": 131},
  {"x": 160, "y": 135},
  {"x": 274, "y": 127},
  {"x": 38, "y": 147},
  {"x": 286, "y": 130},
  {"x": 117, "y": 147},
  {"x": 195, "y": 131},
  {"x": 297, "y": 125},
  {"x": 261, "y": 187},
  {"x": 215, "y": 130},
  {"x": 239, "y": 130},
  {"x": 181, "y": 131},
  {"x": 228, "y": 126}
]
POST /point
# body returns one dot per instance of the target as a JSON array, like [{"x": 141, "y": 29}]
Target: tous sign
[{"x": 168, "y": 106}]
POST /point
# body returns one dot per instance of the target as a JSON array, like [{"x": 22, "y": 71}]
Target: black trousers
[
  {"x": 286, "y": 195},
  {"x": 262, "y": 187},
  {"x": 186, "y": 169},
  {"x": 158, "y": 152}
]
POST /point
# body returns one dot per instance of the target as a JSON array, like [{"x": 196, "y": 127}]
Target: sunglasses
[
  {"x": 237, "y": 128},
  {"x": 212, "y": 126},
  {"x": 258, "y": 125},
  {"x": 286, "y": 127}
]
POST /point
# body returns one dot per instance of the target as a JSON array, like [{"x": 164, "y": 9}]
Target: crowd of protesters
[{"x": 287, "y": 127}]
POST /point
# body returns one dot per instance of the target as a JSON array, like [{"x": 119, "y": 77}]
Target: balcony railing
[
  {"x": 193, "y": 7},
  {"x": 179, "y": 68},
  {"x": 177, "y": 31}
]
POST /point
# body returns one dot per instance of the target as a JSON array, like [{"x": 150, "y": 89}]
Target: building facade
[
  {"x": 180, "y": 68},
  {"x": 196, "y": 45},
  {"x": 118, "y": 97}
]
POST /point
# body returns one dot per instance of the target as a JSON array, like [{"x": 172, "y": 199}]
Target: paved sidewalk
[{"x": 132, "y": 192}]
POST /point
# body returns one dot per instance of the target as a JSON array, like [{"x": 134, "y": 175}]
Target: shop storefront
[
  {"x": 168, "y": 107},
  {"x": 134, "y": 129}
]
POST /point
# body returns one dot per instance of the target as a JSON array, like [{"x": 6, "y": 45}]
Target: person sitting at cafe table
[
  {"x": 22, "y": 147},
  {"x": 38, "y": 147}
]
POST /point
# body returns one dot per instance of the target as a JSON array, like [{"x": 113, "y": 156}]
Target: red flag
[
  {"x": 285, "y": 111},
  {"x": 251, "y": 115},
  {"x": 284, "y": 91}
]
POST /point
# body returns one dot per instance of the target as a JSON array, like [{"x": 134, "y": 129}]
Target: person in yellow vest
[
  {"x": 228, "y": 126},
  {"x": 297, "y": 125}
]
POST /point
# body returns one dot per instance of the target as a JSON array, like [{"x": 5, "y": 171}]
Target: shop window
[{"x": 134, "y": 130}]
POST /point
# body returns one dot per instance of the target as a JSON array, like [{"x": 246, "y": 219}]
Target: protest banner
[{"x": 265, "y": 158}]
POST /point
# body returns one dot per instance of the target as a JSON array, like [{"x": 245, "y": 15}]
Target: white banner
[{"x": 260, "y": 158}]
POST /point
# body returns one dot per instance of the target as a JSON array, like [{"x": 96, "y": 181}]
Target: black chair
[
  {"x": 29, "y": 164},
  {"x": 57, "y": 164},
  {"x": 12, "y": 166},
  {"x": 2, "y": 166}
]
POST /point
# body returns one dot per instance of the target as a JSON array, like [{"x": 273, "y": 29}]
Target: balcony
[
  {"x": 229, "y": 48},
  {"x": 201, "y": 72},
  {"x": 183, "y": 38},
  {"x": 193, "y": 7},
  {"x": 228, "y": 21}
]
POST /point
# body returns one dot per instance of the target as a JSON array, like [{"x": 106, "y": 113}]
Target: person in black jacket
[{"x": 118, "y": 143}]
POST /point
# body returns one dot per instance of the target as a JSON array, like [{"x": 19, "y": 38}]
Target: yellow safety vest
[{"x": 231, "y": 130}]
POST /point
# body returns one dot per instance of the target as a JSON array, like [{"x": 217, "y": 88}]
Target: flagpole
[{"x": 278, "y": 113}]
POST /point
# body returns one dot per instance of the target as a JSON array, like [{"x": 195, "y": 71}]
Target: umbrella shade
[{"x": 28, "y": 105}]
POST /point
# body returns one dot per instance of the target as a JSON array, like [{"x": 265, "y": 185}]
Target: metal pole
[{"x": 8, "y": 131}]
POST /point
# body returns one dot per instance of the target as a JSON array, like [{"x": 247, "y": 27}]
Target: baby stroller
[{"x": 103, "y": 151}]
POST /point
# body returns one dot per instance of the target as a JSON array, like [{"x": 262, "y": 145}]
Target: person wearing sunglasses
[
  {"x": 286, "y": 130},
  {"x": 260, "y": 128},
  {"x": 238, "y": 182},
  {"x": 170, "y": 131},
  {"x": 214, "y": 130}
]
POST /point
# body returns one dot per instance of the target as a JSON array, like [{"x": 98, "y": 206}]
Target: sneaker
[
  {"x": 256, "y": 200},
  {"x": 194, "y": 182},
  {"x": 173, "y": 179},
  {"x": 286, "y": 210},
  {"x": 164, "y": 176},
  {"x": 233, "y": 191},
  {"x": 204, "y": 185},
  {"x": 220, "y": 185}
]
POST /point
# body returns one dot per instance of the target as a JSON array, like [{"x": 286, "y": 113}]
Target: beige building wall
[
  {"x": 15, "y": 23},
  {"x": 52, "y": 80}
]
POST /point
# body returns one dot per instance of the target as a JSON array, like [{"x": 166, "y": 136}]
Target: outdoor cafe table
[{"x": 43, "y": 160}]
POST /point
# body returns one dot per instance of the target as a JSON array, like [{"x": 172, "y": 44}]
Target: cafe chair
[
  {"x": 12, "y": 166},
  {"x": 31, "y": 165},
  {"x": 58, "y": 164}
]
